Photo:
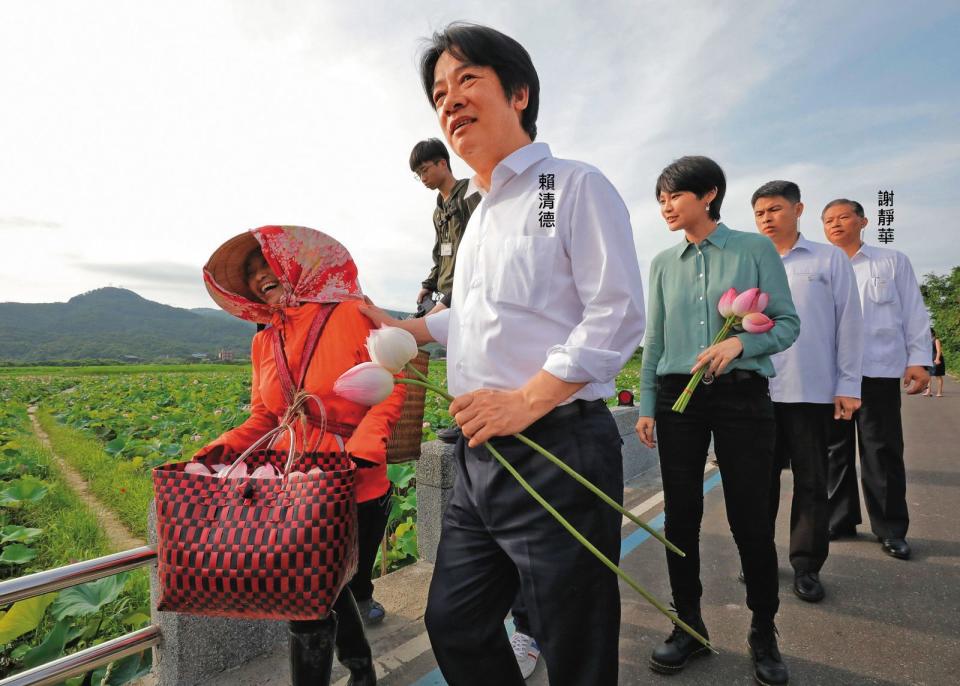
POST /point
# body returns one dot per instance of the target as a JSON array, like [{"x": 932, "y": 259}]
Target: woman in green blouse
[{"x": 686, "y": 283}]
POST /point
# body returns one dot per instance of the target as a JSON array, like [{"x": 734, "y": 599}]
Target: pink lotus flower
[
  {"x": 762, "y": 301},
  {"x": 265, "y": 471},
  {"x": 197, "y": 468},
  {"x": 757, "y": 322},
  {"x": 366, "y": 384},
  {"x": 725, "y": 306},
  {"x": 746, "y": 302}
]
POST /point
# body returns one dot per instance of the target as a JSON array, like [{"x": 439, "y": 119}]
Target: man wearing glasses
[{"x": 430, "y": 163}]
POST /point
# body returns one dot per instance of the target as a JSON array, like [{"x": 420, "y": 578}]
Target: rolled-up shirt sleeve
[
  {"x": 607, "y": 276},
  {"x": 439, "y": 326},
  {"x": 849, "y": 326}
]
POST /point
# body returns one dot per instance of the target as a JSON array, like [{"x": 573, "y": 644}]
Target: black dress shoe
[
  {"x": 896, "y": 547},
  {"x": 672, "y": 655},
  {"x": 450, "y": 435},
  {"x": 807, "y": 586},
  {"x": 842, "y": 532},
  {"x": 768, "y": 666}
]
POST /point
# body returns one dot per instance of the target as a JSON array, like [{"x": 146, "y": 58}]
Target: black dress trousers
[
  {"x": 497, "y": 539},
  {"x": 878, "y": 432},
  {"x": 803, "y": 432}
]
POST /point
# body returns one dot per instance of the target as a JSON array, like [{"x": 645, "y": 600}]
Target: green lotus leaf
[
  {"x": 86, "y": 599},
  {"x": 51, "y": 648},
  {"x": 23, "y": 617},
  {"x": 23, "y": 490},
  {"x": 18, "y": 534}
]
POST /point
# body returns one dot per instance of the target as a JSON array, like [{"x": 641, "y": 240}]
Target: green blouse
[{"x": 686, "y": 283}]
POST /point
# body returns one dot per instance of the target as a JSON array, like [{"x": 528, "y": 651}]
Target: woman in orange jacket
[{"x": 283, "y": 276}]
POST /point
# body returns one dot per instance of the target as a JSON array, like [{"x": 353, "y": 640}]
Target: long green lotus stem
[
  {"x": 569, "y": 527},
  {"x": 600, "y": 494},
  {"x": 586, "y": 483},
  {"x": 589, "y": 546},
  {"x": 420, "y": 375},
  {"x": 681, "y": 404}
]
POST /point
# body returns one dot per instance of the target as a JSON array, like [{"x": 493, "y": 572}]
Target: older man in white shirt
[
  {"x": 818, "y": 377},
  {"x": 896, "y": 344},
  {"x": 547, "y": 307}
]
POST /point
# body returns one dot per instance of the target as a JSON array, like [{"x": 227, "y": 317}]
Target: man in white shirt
[
  {"x": 547, "y": 307},
  {"x": 896, "y": 332},
  {"x": 818, "y": 377}
]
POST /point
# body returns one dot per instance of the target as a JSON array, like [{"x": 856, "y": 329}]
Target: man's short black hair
[
  {"x": 696, "y": 174},
  {"x": 857, "y": 207},
  {"x": 486, "y": 47},
  {"x": 787, "y": 190},
  {"x": 430, "y": 150}
]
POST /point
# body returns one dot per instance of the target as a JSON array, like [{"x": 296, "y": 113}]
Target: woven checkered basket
[{"x": 249, "y": 548}]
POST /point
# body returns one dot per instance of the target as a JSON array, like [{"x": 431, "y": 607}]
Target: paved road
[{"x": 884, "y": 621}]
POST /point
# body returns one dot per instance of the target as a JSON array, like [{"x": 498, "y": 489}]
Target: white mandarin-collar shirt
[
  {"x": 539, "y": 288},
  {"x": 895, "y": 321},
  {"x": 825, "y": 361}
]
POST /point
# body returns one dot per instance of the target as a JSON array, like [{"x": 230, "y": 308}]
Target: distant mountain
[{"x": 116, "y": 324}]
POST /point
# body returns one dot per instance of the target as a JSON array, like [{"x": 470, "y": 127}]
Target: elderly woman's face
[{"x": 261, "y": 279}]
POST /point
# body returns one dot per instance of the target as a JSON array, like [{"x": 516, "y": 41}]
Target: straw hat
[{"x": 228, "y": 263}]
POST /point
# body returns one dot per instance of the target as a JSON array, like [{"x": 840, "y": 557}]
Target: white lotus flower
[{"x": 391, "y": 347}]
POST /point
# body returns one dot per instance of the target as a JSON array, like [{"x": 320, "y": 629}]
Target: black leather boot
[
  {"x": 353, "y": 650},
  {"x": 768, "y": 666},
  {"x": 311, "y": 651},
  {"x": 672, "y": 655}
]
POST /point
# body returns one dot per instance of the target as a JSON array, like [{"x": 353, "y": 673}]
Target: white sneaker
[{"x": 527, "y": 652}]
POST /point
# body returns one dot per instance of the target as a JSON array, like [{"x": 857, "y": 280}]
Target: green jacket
[{"x": 449, "y": 221}]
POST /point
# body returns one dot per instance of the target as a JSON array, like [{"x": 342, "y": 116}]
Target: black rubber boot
[
  {"x": 311, "y": 651},
  {"x": 768, "y": 666},
  {"x": 353, "y": 650},
  {"x": 672, "y": 655}
]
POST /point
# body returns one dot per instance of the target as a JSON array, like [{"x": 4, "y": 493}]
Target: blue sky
[{"x": 136, "y": 137}]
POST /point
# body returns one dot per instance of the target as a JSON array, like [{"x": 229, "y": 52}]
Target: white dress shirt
[
  {"x": 565, "y": 298},
  {"x": 896, "y": 325},
  {"x": 825, "y": 361}
]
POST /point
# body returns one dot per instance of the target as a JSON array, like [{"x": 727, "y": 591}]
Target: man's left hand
[
  {"x": 486, "y": 413},
  {"x": 916, "y": 379},
  {"x": 717, "y": 357},
  {"x": 844, "y": 407}
]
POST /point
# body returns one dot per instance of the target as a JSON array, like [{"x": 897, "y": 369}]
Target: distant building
[
  {"x": 199, "y": 356},
  {"x": 225, "y": 355}
]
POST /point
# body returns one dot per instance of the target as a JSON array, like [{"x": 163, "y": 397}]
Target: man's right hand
[
  {"x": 645, "y": 431},
  {"x": 380, "y": 318},
  {"x": 424, "y": 292}
]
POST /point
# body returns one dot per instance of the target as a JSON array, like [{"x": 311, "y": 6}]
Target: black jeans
[
  {"x": 496, "y": 539},
  {"x": 878, "y": 431},
  {"x": 371, "y": 523},
  {"x": 803, "y": 430},
  {"x": 738, "y": 411}
]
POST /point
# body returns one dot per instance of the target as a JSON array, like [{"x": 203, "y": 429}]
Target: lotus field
[{"x": 112, "y": 425}]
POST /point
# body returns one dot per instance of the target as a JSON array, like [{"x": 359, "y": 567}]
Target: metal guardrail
[{"x": 71, "y": 575}]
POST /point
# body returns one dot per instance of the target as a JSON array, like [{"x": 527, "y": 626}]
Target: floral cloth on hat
[{"x": 311, "y": 267}]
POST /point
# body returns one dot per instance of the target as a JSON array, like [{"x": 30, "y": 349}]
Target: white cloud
[{"x": 152, "y": 133}]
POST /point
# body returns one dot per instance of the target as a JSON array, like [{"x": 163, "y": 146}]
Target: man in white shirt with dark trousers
[
  {"x": 896, "y": 343},
  {"x": 547, "y": 308},
  {"x": 818, "y": 377}
]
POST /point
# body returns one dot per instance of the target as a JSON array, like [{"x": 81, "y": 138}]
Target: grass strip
[{"x": 119, "y": 484}]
